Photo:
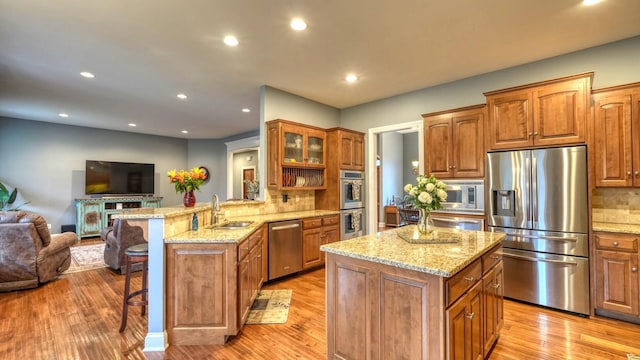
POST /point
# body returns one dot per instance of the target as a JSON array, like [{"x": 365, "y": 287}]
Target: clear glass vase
[{"x": 425, "y": 224}]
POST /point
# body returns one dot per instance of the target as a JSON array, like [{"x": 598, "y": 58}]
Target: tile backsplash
[
  {"x": 298, "y": 200},
  {"x": 616, "y": 205}
]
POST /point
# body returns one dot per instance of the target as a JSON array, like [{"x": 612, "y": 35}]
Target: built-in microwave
[{"x": 464, "y": 196}]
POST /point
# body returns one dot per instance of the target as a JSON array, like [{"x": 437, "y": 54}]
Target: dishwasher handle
[
  {"x": 465, "y": 221},
  {"x": 284, "y": 227}
]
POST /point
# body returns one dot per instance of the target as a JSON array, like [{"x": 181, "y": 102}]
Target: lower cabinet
[
  {"x": 210, "y": 288},
  {"x": 616, "y": 271},
  {"x": 379, "y": 311},
  {"x": 464, "y": 326},
  {"x": 316, "y": 232}
]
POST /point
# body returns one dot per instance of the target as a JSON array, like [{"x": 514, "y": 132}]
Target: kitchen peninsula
[
  {"x": 201, "y": 282},
  {"x": 389, "y": 297}
]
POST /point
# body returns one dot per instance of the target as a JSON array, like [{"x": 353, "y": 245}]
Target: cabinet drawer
[
  {"x": 462, "y": 281},
  {"x": 255, "y": 238},
  {"x": 491, "y": 258},
  {"x": 331, "y": 220},
  {"x": 243, "y": 249},
  {"x": 311, "y": 223},
  {"x": 617, "y": 242}
]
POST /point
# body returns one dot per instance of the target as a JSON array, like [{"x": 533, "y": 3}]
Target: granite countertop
[
  {"x": 442, "y": 259},
  {"x": 215, "y": 235},
  {"x": 160, "y": 213},
  {"x": 619, "y": 228}
]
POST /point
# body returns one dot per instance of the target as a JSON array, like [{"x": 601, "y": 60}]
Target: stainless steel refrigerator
[{"x": 539, "y": 198}]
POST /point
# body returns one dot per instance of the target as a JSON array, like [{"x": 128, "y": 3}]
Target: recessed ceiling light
[
  {"x": 230, "y": 40},
  {"x": 351, "y": 78},
  {"x": 63, "y": 115},
  {"x": 590, "y": 2},
  {"x": 298, "y": 24},
  {"x": 87, "y": 75},
  {"x": 184, "y": 131},
  {"x": 132, "y": 125},
  {"x": 246, "y": 110},
  {"x": 181, "y": 96}
]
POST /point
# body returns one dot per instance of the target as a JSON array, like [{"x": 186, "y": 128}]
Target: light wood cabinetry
[
  {"x": 391, "y": 216},
  {"x": 345, "y": 151},
  {"x": 316, "y": 232},
  {"x": 547, "y": 113},
  {"x": 616, "y": 134},
  {"x": 210, "y": 288},
  {"x": 416, "y": 315},
  {"x": 94, "y": 214},
  {"x": 617, "y": 281},
  {"x": 454, "y": 142},
  {"x": 296, "y": 156}
]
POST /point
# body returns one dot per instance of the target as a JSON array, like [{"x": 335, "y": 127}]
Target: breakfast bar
[{"x": 400, "y": 294}]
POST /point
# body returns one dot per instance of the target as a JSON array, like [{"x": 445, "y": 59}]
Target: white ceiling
[{"x": 144, "y": 52}]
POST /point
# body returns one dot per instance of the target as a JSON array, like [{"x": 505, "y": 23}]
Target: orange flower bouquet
[{"x": 186, "y": 181}]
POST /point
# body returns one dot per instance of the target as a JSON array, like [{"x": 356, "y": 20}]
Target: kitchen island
[
  {"x": 391, "y": 295},
  {"x": 202, "y": 282}
]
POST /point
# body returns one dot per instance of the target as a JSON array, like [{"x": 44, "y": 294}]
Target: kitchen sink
[{"x": 232, "y": 225}]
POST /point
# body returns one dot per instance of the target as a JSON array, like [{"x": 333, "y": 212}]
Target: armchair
[
  {"x": 117, "y": 239},
  {"x": 29, "y": 254}
]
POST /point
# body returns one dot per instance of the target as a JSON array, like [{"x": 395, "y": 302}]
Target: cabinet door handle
[
  {"x": 496, "y": 285},
  {"x": 629, "y": 173},
  {"x": 615, "y": 243},
  {"x": 470, "y": 315},
  {"x": 634, "y": 269},
  {"x": 496, "y": 257},
  {"x": 637, "y": 173},
  {"x": 535, "y": 133},
  {"x": 454, "y": 166},
  {"x": 530, "y": 134},
  {"x": 469, "y": 279}
]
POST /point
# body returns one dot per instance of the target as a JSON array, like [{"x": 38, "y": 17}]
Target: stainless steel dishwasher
[{"x": 285, "y": 248}]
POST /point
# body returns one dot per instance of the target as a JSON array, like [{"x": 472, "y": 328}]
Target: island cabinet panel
[
  {"x": 493, "y": 305},
  {"x": 201, "y": 304},
  {"x": 547, "y": 113},
  {"x": 403, "y": 310},
  {"x": 616, "y": 132},
  {"x": 376, "y": 311}
]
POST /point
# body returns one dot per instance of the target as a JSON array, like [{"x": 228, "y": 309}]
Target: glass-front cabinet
[{"x": 296, "y": 155}]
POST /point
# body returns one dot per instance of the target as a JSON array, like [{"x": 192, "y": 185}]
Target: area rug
[
  {"x": 270, "y": 307},
  {"x": 86, "y": 257}
]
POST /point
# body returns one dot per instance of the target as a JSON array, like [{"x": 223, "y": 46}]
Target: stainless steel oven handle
[
  {"x": 457, "y": 221},
  {"x": 554, "y": 238},
  {"x": 292, "y": 226},
  {"x": 542, "y": 260}
]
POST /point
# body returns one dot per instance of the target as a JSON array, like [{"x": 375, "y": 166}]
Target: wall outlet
[
  {"x": 49, "y": 226},
  {"x": 297, "y": 198}
]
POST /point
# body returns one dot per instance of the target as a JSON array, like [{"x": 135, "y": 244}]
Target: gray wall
[
  {"x": 391, "y": 160},
  {"x": 409, "y": 153},
  {"x": 613, "y": 64},
  {"x": 47, "y": 162}
]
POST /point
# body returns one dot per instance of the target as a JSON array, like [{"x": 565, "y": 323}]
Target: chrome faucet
[{"x": 215, "y": 209}]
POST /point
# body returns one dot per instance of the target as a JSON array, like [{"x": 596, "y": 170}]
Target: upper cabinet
[
  {"x": 616, "y": 134},
  {"x": 454, "y": 142},
  {"x": 296, "y": 155},
  {"x": 547, "y": 113},
  {"x": 347, "y": 147}
]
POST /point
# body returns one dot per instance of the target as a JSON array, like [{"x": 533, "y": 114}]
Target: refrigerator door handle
[
  {"x": 554, "y": 238},
  {"x": 539, "y": 259},
  {"x": 534, "y": 190}
]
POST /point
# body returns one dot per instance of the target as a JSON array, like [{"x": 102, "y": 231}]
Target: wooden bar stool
[{"x": 135, "y": 254}]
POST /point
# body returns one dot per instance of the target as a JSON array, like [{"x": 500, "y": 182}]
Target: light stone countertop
[
  {"x": 442, "y": 259},
  {"x": 214, "y": 235},
  {"x": 619, "y": 228},
  {"x": 161, "y": 213}
]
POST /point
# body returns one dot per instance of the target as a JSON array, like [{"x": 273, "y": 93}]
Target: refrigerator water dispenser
[{"x": 504, "y": 202}]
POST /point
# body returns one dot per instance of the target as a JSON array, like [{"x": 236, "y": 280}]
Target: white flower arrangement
[{"x": 428, "y": 193}]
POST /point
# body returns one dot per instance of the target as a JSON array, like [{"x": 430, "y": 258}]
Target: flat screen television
[{"x": 118, "y": 178}]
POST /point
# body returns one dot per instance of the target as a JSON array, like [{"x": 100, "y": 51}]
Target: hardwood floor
[{"x": 77, "y": 317}]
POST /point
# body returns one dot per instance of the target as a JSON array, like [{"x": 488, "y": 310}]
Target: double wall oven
[
  {"x": 464, "y": 198},
  {"x": 352, "y": 220}
]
